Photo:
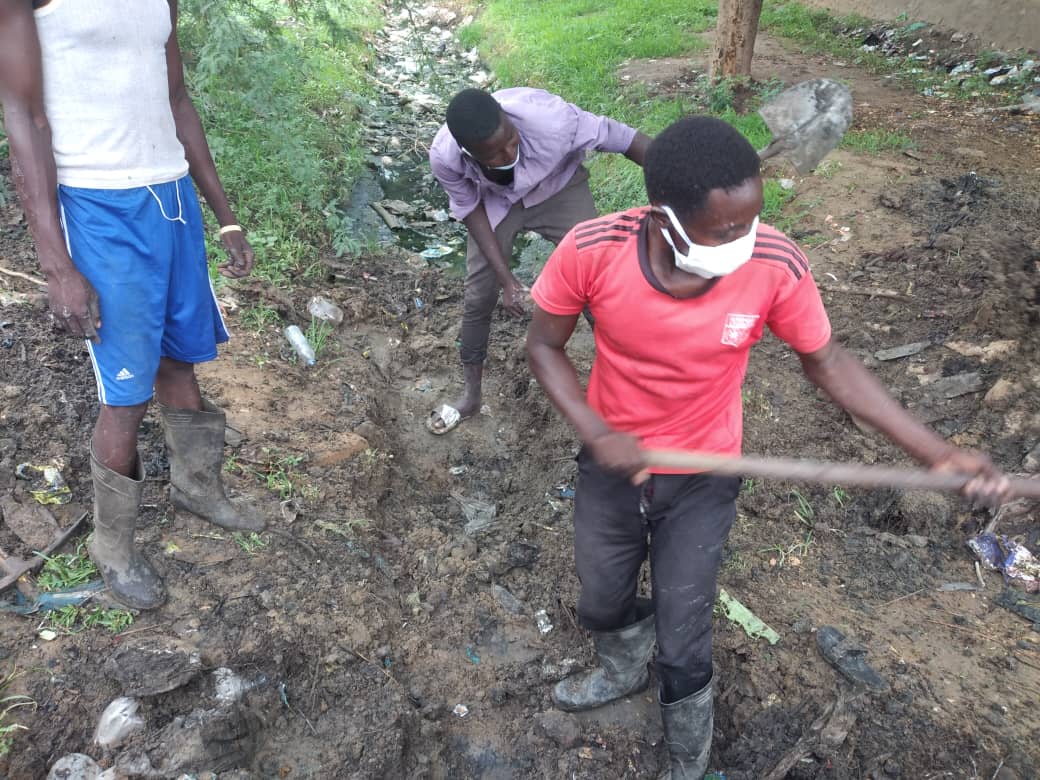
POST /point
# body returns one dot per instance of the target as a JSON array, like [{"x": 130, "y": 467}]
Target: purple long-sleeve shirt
[{"x": 554, "y": 136}]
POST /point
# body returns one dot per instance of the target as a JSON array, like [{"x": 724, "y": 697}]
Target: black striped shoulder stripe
[
  {"x": 784, "y": 244},
  {"x": 780, "y": 258},
  {"x": 621, "y": 222},
  {"x": 626, "y": 235}
]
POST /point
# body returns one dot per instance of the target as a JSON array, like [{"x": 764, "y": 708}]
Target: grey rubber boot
[
  {"x": 195, "y": 446},
  {"x": 126, "y": 572},
  {"x": 687, "y": 734},
  {"x": 622, "y": 655}
]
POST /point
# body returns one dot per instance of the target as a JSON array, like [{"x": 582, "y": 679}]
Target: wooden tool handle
[{"x": 825, "y": 472}]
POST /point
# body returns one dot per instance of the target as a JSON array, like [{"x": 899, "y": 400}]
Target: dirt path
[{"x": 379, "y": 608}]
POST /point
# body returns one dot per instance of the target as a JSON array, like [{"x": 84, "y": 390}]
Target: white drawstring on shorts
[{"x": 180, "y": 207}]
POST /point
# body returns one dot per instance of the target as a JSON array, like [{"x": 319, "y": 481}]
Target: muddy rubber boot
[
  {"x": 125, "y": 570},
  {"x": 622, "y": 655},
  {"x": 687, "y": 734},
  {"x": 195, "y": 447}
]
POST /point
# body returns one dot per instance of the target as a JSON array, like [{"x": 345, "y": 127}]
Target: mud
[{"x": 372, "y": 613}]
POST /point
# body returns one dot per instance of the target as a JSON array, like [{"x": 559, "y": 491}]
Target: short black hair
[
  {"x": 692, "y": 157},
  {"x": 473, "y": 116}
]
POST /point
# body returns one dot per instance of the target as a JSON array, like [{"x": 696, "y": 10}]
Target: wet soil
[{"x": 375, "y": 608}]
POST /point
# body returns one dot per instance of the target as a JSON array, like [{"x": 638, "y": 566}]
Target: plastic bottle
[
  {"x": 300, "y": 345},
  {"x": 322, "y": 308}
]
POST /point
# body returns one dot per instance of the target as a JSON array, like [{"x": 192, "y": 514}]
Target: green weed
[
  {"x": 72, "y": 618},
  {"x": 876, "y": 141},
  {"x": 318, "y": 333},
  {"x": 841, "y": 496},
  {"x": 252, "y": 542},
  {"x": 279, "y": 473},
  {"x": 803, "y": 509},
  {"x": 9, "y": 704},
  {"x": 260, "y": 318},
  {"x": 748, "y": 486},
  {"x": 63, "y": 571}
]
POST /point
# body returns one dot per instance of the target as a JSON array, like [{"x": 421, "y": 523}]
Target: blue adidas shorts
[{"x": 143, "y": 250}]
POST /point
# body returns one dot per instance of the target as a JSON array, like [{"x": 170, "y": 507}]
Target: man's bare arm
[
  {"x": 72, "y": 299},
  {"x": 200, "y": 160}
]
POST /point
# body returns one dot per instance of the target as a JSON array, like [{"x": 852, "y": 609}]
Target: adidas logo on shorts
[{"x": 123, "y": 375}]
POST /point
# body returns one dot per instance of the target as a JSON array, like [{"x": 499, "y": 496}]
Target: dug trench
[{"x": 387, "y": 622}]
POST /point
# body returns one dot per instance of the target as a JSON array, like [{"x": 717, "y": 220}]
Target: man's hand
[
  {"x": 513, "y": 295},
  {"x": 74, "y": 304},
  {"x": 240, "y": 255},
  {"x": 619, "y": 453},
  {"x": 988, "y": 486}
]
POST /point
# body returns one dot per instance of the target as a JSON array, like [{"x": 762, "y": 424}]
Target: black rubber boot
[
  {"x": 126, "y": 572},
  {"x": 623, "y": 655},
  {"x": 195, "y": 447},
  {"x": 687, "y": 734}
]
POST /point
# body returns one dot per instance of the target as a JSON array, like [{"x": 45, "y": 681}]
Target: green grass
[
  {"x": 252, "y": 542},
  {"x": 260, "y": 318},
  {"x": 72, "y": 618},
  {"x": 876, "y": 141},
  {"x": 278, "y": 85},
  {"x": 317, "y": 334},
  {"x": 8, "y": 704},
  {"x": 63, "y": 571},
  {"x": 574, "y": 48}
]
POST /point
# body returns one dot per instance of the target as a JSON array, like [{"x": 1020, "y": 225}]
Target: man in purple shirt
[{"x": 512, "y": 162}]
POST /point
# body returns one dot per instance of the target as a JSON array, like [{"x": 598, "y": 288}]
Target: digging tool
[
  {"x": 826, "y": 473},
  {"x": 807, "y": 122},
  {"x": 17, "y": 567}
]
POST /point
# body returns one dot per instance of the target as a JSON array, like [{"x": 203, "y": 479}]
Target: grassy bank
[{"x": 277, "y": 86}]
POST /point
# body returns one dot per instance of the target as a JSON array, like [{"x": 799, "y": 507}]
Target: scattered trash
[
  {"x": 565, "y": 492},
  {"x": 508, "y": 601},
  {"x": 47, "y": 635},
  {"x": 956, "y": 586},
  {"x": 58, "y": 599},
  {"x": 906, "y": 350},
  {"x": 522, "y": 555},
  {"x": 436, "y": 252},
  {"x": 458, "y": 471},
  {"x": 746, "y": 619},
  {"x": 847, "y": 657},
  {"x": 418, "y": 304},
  {"x": 957, "y": 385},
  {"x": 440, "y": 215},
  {"x": 300, "y": 345},
  {"x": 461, "y": 710},
  {"x": 786, "y": 184},
  {"x": 46, "y": 483},
  {"x": 541, "y": 618},
  {"x": 120, "y": 720},
  {"x": 471, "y": 656},
  {"x": 229, "y": 687},
  {"x": 323, "y": 309},
  {"x": 1003, "y": 554},
  {"x": 480, "y": 515},
  {"x": 283, "y": 694}
]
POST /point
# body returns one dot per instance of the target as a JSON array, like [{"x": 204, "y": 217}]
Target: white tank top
[{"x": 106, "y": 92}]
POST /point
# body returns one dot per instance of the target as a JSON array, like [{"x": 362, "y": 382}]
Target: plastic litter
[
  {"x": 461, "y": 710},
  {"x": 321, "y": 308},
  {"x": 565, "y": 492},
  {"x": 1003, "y": 554},
  {"x": 229, "y": 687},
  {"x": 46, "y": 602},
  {"x": 479, "y": 514},
  {"x": 458, "y": 471},
  {"x": 471, "y": 656},
  {"x": 75, "y": 766},
  {"x": 746, "y": 619},
  {"x": 120, "y": 720},
  {"x": 509, "y": 602},
  {"x": 436, "y": 251},
  {"x": 47, "y": 485},
  {"x": 541, "y": 617},
  {"x": 847, "y": 657},
  {"x": 47, "y": 635},
  {"x": 300, "y": 345}
]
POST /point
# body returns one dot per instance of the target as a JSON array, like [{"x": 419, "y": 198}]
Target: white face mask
[
  {"x": 509, "y": 167},
  {"x": 710, "y": 261}
]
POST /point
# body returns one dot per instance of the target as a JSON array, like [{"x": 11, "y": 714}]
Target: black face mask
[{"x": 498, "y": 177}]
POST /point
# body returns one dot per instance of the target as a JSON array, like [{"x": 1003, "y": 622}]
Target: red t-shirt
[{"x": 669, "y": 370}]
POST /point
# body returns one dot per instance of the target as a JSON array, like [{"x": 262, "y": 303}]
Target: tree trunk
[{"x": 735, "y": 38}]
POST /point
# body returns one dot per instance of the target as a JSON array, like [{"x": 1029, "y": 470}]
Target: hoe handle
[{"x": 825, "y": 472}]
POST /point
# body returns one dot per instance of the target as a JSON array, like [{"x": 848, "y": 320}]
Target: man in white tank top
[{"x": 105, "y": 146}]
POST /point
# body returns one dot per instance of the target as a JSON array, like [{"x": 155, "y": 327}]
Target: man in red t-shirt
[{"x": 680, "y": 290}]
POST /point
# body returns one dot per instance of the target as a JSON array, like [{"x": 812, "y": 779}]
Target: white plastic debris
[
  {"x": 461, "y": 710},
  {"x": 120, "y": 720},
  {"x": 541, "y": 617}
]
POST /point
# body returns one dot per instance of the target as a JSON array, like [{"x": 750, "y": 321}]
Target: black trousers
[{"x": 682, "y": 521}]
